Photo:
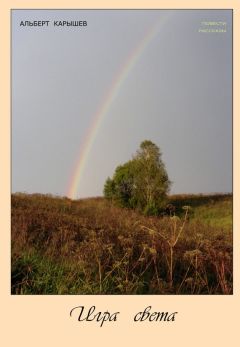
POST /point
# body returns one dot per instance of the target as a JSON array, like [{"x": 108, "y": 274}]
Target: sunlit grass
[{"x": 216, "y": 214}]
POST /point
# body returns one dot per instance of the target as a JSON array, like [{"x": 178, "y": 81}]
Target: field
[{"x": 90, "y": 246}]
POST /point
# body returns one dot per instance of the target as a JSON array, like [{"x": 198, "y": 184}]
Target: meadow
[{"x": 91, "y": 246}]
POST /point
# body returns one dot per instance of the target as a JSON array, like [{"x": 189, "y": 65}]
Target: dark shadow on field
[{"x": 178, "y": 201}]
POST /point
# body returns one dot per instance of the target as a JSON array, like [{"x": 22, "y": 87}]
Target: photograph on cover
[{"x": 121, "y": 130}]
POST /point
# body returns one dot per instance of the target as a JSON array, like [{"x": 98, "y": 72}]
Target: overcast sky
[{"x": 177, "y": 94}]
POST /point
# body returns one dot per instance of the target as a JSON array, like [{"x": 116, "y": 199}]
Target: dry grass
[{"x": 90, "y": 246}]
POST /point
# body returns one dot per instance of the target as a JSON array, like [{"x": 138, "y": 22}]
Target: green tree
[
  {"x": 123, "y": 184},
  {"x": 152, "y": 182},
  {"x": 109, "y": 188},
  {"x": 141, "y": 182}
]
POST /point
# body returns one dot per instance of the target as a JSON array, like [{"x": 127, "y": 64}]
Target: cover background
[{"x": 44, "y": 320}]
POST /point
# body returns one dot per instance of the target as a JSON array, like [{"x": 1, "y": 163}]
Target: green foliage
[
  {"x": 109, "y": 188},
  {"x": 140, "y": 183},
  {"x": 151, "y": 209},
  {"x": 33, "y": 274},
  {"x": 124, "y": 184}
]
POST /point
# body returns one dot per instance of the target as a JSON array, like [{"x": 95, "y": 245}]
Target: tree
[
  {"x": 152, "y": 183},
  {"x": 141, "y": 182},
  {"x": 109, "y": 188}
]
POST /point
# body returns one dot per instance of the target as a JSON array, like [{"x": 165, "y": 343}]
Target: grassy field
[{"x": 90, "y": 246}]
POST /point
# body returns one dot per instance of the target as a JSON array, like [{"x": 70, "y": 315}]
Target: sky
[{"x": 85, "y": 97}]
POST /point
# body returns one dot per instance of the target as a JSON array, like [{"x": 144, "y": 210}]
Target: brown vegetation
[{"x": 60, "y": 246}]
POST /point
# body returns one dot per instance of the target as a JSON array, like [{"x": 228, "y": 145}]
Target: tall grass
[{"x": 60, "y": 246}]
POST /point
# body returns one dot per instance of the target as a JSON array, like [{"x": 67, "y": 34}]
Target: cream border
[{"x": 44, "y": 320}]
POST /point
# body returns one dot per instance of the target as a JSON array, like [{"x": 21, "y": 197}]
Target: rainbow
[{"x": 106, "y": 103}]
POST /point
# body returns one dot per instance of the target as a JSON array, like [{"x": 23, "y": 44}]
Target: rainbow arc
[{"x": 111, "y": 95}]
